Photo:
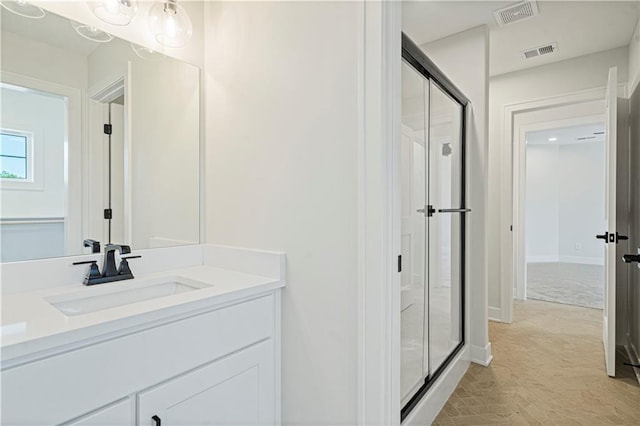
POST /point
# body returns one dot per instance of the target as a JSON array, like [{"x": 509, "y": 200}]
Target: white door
[
  {"x": 236, "y": 390},
  {"x": 609, "y": 315}
]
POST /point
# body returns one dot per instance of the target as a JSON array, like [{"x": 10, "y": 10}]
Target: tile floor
[{"x": 548, "y": 369}]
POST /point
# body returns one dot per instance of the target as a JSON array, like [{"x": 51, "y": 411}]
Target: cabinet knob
[{"x": 157, "y": 420}]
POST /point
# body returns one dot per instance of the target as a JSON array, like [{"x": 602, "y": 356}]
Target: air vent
[
  {"x": 585, "y": 138},
  {"x": 516, "y": 13},
  {"x": 541, "y": 50}
]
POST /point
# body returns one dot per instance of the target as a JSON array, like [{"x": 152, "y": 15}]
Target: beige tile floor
[{"x": 548, "y": 369}]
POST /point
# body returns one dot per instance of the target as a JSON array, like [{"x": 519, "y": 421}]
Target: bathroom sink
[{"x": 96, "y": 299}]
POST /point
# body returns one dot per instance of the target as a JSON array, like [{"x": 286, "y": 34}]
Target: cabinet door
[
  {"x": 118, "y": 414},
  {"x": 236, "y": 390}
]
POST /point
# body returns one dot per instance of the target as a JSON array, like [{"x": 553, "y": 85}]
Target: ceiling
[
  {"x": 567, "y": 135},
  {"x": 579, "y": 27},
  {"x": 51, "y": 29}
]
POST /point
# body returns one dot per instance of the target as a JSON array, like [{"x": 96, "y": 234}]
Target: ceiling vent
[
  {"x": 541, "y": 50},
  {"x": 516, "y": 13}
]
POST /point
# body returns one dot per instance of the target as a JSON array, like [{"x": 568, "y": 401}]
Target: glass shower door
[
  {"x": 413, "y": 152},
  {"x": 445, "y": 173},
  {"x": 432, "y": 242}
]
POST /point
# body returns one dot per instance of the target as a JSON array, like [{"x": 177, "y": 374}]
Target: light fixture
[
  {"x": 553, "y": 139},
  {"x": 23, "y": 8},
  {"x": 170, "y": 24},
  {"x": 146, "y": 53},
  {"x": 116, "y": 12},
  {"x": 92, "y": 33}
]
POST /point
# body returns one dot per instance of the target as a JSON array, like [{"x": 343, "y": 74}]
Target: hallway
[{"x": 548, "y": 368}]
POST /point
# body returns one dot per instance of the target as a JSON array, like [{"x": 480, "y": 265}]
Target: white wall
[
  {"x": 565, "y": 202},
  {"x": 542, "y": 242},
  {"x": 281, "y": 174},
  {"x": 33, "y": 59},
  {"x": 581, "y": 200},
  {"x": 578, "y": 74}
]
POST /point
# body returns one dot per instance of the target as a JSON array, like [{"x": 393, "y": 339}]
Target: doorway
[
  {"x": 432, "y": 164},
  {"x": 564, "y": 210}
]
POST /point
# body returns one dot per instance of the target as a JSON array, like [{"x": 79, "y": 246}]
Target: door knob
[
  {"x": 630, "y": 258},
  {"x": 604, "y": 237}
]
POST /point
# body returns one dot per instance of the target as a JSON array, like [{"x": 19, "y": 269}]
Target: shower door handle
[{"x": 454, "y": 210}]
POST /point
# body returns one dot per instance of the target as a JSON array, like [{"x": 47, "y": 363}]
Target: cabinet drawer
[
  {"x": 62, "y": 387},
  {"x": 236, "y": 390}
]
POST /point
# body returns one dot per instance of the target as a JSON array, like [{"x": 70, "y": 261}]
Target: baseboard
[
  {"x": 495, "y": 314},
  {"x": 542, "y": 259},
  {"x": 480, "y": 355},
  {"x": 428, "y": 408},
  {"x": 582, "y": 260},
  {"x": 634, "y": 358}
]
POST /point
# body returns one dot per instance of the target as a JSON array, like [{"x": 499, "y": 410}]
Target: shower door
[{"x": 433, "y": 211}]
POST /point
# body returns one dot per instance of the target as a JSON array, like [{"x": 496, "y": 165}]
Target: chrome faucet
[{"x": 109, "y": 271}]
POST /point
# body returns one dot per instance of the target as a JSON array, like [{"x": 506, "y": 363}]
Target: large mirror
[{"x": 99, "y": 142}]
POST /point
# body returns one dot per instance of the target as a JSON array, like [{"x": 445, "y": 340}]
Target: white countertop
[{"x": 31, "y": 327}]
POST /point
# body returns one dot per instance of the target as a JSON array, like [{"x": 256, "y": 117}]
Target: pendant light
[
  {"x": 23, "y": 8},
  {"x": 170, "y": 23},
  {"x": 116, "y": 12},
  {"x": 92, "y": 33}
]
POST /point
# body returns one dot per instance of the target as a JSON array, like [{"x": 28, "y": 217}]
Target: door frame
[
  {"x": 519, "y": 195},
  {"x": 510, "y": 174}
]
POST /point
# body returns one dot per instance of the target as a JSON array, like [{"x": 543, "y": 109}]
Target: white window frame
[{"x": 34, "y": 181}]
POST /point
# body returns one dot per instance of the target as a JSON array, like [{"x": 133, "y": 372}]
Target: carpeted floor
[
  {"x": 548, "y": 369},
  {"x": 568, "y": 283}
]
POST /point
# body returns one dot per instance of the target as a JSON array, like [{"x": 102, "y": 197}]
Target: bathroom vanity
[{"x": 193, "y": 339}]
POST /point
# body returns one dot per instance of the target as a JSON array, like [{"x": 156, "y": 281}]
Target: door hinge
[
  {"x": 108, "y": 214},
  {"x": 400, "y": 263},
  {"x": 108, "y": 129}
]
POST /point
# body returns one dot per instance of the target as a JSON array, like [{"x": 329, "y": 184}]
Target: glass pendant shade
[
  {"x": 170, "y": 24},
  {"x": 146, "y": 53},
  {"x": 116, "y": 12},
  {"x": 24, "y": 9},
  {"x": 92, "y": 33}
]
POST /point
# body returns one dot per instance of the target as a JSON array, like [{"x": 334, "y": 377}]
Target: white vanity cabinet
[
  {"x": 237, "y": 390},
  {"x": 213, "y": 366}
]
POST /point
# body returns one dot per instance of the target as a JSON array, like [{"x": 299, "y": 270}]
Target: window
[{"x": 14, "y": 155}]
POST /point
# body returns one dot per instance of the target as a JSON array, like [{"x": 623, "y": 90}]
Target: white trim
[
  {"x": 495, "y": 314},
  {"x": 549, "y": 258},
  {"x": 430, "y": 405},
  {"x": 379, "y": 133},
  {"x": 507, "y": 216},
  {"x": 582, "y": 260},
  {"x": 481, "y": 355},
  {"x": 74, "y": 148}
]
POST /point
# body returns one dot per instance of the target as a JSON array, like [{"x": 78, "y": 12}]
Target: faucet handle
[
  {"x": 124, "y": 268},
  {"x": 94, "y": 271}
]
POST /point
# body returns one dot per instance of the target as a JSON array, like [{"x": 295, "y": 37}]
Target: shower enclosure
[{"x": 433, "y": 223}]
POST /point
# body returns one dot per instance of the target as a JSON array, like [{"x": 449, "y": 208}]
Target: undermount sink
[{"x": 81, "y": 302}]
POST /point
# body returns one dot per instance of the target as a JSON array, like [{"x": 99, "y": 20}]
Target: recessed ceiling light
[{"x": 553, "y": 139}]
